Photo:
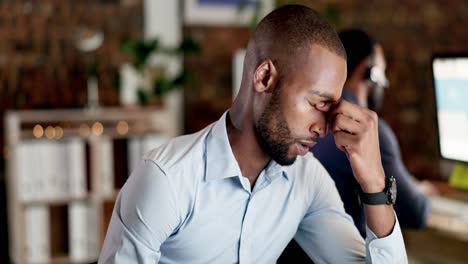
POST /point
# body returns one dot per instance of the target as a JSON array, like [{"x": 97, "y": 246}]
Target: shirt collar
[
  {"x": 274, "y": 170},
  {"x": 220, "y": 160}
]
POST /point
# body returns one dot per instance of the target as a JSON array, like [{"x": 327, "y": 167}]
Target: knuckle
[
  {"x": 372, "y": 118},
  {"x": 352, "y": 153},
  {"x": 339, "y": 118},
  {"x": 373, "y": 115}
]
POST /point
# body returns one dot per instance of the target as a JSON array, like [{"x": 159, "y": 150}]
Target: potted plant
[{"x": 152, "y": 73}]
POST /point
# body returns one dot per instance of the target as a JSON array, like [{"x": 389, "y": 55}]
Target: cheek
[
  {"x": 303, "y": 119},
  {"x": 294, "y": 107},
  {"x": 260, "y": 103},
  {"x": 299, "y": 113}
]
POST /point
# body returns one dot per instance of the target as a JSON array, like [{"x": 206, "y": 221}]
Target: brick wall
[
  {"x": 40, "y": 65},
  {"x": 210, "y": 94}
]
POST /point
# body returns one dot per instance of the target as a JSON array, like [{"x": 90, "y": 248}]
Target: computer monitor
[{"x": 450, "y": 73}]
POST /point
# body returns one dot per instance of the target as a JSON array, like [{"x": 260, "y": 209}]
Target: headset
[{"x": 375, "y": 77}]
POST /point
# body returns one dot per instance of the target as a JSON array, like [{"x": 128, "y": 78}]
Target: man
[
  {"x": 365, "y": 86},
  {"x": 239, "y": 190}
]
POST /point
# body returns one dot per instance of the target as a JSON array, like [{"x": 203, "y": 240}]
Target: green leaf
[
  {"x": 242, "y": 6},
  {"x": 91, "y": 70},
  {"x": 140, "y": 50},
  {"x": 162, "y": 86},
  {"x": 183, "y": 78},
  {"x": 332, "y": 13},
  {"x": 189, "y": 46},
  {"x": 129, "y": 47},
  {"x": 256, "y": 15},
  {"x": 143, "y": 97},
  {"x": 116, "y": 81},
  {"x": 285, "y": 2}
]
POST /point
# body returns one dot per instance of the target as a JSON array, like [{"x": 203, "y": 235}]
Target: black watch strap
[
  {"x": 388, "y": 196},
  {"x": 374, "y": 198}
]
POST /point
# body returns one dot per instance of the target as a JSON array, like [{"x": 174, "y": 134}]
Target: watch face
[{"x": 392, "y": 190}]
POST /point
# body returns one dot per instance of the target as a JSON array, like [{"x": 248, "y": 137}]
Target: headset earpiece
[{"x": 367, "y": 73}]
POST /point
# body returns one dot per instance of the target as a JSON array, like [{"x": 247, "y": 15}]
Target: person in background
[{"x": 365, "y": 85}]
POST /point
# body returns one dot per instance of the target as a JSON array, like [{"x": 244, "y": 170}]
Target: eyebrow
[{"x": 323, "y": 95}]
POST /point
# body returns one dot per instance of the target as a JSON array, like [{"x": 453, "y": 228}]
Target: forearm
[
  {"x": 380, "y": 219},
  {"x": 356, "y": 133}
]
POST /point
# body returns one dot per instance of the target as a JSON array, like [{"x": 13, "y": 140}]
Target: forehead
[{"x": 320, "y": 72}]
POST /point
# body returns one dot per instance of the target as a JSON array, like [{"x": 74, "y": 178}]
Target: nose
[{"x": 319, "y": 127}]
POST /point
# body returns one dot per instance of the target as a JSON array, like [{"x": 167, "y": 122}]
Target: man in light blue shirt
[{"x": 239, "y": 190}]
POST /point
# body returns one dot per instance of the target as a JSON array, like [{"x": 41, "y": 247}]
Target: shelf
[
  {"x": 84, "y": 115},
  {"x": 68, "y": 133},
  {"x": 67, "y": 260},
  {"x": 105, "y": 149},
  {"x": 57, "y": 201},
  {"x": 61, "y": 201},
  {"x": 111, "y": 197},
  {"x": 136, "y": 122}
]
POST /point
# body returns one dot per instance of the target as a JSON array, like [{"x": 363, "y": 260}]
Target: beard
[{"x": 273, "y": 132}]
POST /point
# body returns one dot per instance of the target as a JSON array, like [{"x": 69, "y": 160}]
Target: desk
[{"x": 445, "y": 240}]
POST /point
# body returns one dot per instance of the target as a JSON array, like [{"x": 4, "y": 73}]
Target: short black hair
[
  {"x": 292, "y": 28},
  {"x": 358, "y": 45}
]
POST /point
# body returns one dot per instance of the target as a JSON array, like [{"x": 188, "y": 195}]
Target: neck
[{"x": 243, "y": 140}]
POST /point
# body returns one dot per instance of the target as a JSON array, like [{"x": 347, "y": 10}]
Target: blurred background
[{"x": 99, "y": 80}]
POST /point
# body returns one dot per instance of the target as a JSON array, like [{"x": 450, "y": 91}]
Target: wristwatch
[{"x": 388, "y": 196}]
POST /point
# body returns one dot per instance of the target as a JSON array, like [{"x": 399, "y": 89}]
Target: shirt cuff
[{"x": 389, "y": 249}]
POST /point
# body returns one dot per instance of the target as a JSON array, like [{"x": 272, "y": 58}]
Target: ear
[{"x": 265, "y": 76}]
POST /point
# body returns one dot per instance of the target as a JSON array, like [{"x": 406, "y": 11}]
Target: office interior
[{"x": 103, "y": 81}]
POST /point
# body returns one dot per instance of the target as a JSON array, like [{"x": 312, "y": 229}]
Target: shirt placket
[
  {"x": 244, "y": 245},
  {"x": 247, "y": 231}
]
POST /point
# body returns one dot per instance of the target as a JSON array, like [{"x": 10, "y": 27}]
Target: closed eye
[{"x": 323, "y": 106}]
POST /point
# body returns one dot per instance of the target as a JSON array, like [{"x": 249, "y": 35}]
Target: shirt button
[{"x": 376, "y": 250}]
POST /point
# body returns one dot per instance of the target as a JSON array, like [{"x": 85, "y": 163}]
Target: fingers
[
  {"x": 355, "y": 112},
  {"x": 345, "y": 123},
  {"x": 352, "y": 118},
  {"x": 352, "y": 125},
  {"x": 355, "y": 129},
  {"x": 345, "y": 141}
]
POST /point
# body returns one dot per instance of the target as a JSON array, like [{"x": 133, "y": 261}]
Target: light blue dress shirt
[{"x": 187, "y": 202}]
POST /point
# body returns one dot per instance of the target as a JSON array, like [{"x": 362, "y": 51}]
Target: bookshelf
[{"x": 64, "y": 170}]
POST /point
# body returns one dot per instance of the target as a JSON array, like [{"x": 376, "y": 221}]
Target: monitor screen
[{"x": 451, "y": 91}]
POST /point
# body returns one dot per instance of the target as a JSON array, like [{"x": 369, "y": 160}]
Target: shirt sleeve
[
  {"x": 389, "y": 249},
  {"x": 327, "y": 234},
  {"x": 144, "y": 216},
  {"x": 412, "y": 206}
]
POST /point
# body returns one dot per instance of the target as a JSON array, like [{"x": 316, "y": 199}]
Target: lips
[
  {"x": 303, "y": 147},
  {"x": 307, "y": 143}
]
